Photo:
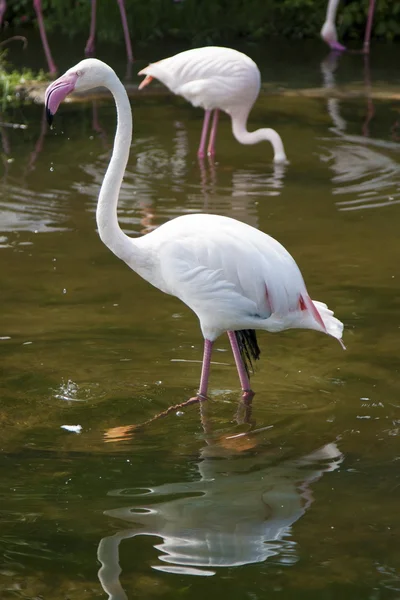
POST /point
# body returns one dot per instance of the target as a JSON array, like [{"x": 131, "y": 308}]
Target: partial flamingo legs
[
  {"x": 37, "y": 5},
  {"x": 244, "y": 378},
  {"x": 329, "y": 29},
  {"x": 125, "y": 27},
  {"x": 368, "y": 28},
  {"x": 201, "y": 152},
  {"x": 213, "y": 134},
  {"x": 205, "y": 370},
  {"x": 3, "y": 6},
  {"x": 204, "y": 131},
  {"x": 89, "y": 48}
]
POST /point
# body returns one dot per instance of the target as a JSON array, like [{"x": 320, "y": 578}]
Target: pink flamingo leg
[
  {"x": 337, "y": 47},
  {"x": 128, "y": 45},
  {"x": 37, "y": 5},
  {"x": 368, "y": 28},
  {"x": 89, "y": 48},
  {"x": 204, "y": 131},
  {"x": 205, "y": 370},
  {"x": 244, "y": 380},
  {"x": 3, "y": 6},
  {"x": 213, "y": 134}
]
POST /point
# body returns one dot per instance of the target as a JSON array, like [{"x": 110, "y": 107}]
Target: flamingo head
[{"x": 87, "y": 74}]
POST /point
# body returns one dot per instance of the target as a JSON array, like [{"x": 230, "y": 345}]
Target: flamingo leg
[
  {"x": 368, "y": 28},
  {"x": 205, "y": 370},
  {"x": 117, "y": 433},
  {"x": 204, "y": 131},
  {"x": 89, "y": 48},
  {"x": 3, "y": 6},
  {"x": 125, "y": 27},
  {"x": 213, "y": 134},
  {"x": 37, "y": 5},
  {"x": 244, "y": 379}
]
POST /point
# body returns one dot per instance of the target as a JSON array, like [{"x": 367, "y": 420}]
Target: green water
[{"x": 297, "y": 498}]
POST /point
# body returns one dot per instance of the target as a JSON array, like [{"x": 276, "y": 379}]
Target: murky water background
[{"x": 296, "y": 499}]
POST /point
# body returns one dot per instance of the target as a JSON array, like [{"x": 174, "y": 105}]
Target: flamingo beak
[{"x": 57, "y": 92}]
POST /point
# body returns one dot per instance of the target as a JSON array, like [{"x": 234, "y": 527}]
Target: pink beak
[{"x": 57, "y": 92}]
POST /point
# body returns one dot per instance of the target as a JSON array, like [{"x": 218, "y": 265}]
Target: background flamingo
[
  {"x": 216, "y": 78},
  {"x": 328, "y": 31},
  {"x": 233, "y": 276},
  {"x": 89, "y": 49}
]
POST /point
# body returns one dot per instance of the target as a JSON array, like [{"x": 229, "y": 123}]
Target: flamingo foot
[
  {"x": 336, "y": 47},
  {"x": 89, "y": 48},
  {"x": 117, "y": 434},
  {"x": 193, "y": 400}
]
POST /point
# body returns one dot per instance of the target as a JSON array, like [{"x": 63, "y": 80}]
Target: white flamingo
[
  {"x": 233, "y": 276},
  {"x": 329, "y": 33},
  {"x": 216, "y": 78}
]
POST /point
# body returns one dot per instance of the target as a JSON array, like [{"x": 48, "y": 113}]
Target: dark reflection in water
[
  {"x": 362, "y": 166},
  {"x": 239, "y": 511}
]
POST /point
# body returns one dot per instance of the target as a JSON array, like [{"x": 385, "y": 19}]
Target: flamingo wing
[{"x": 221, "y": 270}]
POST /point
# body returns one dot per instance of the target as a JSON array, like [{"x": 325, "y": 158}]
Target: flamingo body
[
  {"x": 233, "y": 276},
  {"x": 216, "y": 78},
  {"x": 210, "y": 77}
]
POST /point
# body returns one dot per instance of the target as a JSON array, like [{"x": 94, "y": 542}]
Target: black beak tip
[{"x": 49, "y": 115}]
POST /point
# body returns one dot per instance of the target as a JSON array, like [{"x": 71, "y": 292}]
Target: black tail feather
[{"x": 248, "y": 346}]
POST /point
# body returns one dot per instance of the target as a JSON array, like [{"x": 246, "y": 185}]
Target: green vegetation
[
  {"x": 208, "y": 21},
  {"x": 11, "y": 81}
]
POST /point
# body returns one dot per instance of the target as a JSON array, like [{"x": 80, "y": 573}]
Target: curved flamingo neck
[
  {"x": 331, "y": 11},
  {"x": 239, "y": 129},
  {"x": 106, "y": 214}
]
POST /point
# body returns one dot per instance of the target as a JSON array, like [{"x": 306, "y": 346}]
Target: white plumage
[
  {"x": 216, "y": 78},
  {"x": 233, "y": 276},
  {"x": 230, "y": 274}
]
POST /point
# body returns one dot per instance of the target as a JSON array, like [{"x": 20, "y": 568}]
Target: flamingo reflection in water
[
  {"x": 239, "y": 511},
  {"x": 361, "y": 165}
]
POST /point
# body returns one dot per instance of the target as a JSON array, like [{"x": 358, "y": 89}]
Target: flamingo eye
[{"x": 79, "y": 73}]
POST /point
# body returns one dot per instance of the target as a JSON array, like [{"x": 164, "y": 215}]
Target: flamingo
[
  {"x": 216, "y": 78},
  {"x": 89, "y": 49},
  {"x": 234, "y": 277},
  {"x": 328, "y": 31}
]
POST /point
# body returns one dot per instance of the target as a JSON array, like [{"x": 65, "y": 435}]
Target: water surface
[{"x": 297, "y": 497}]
